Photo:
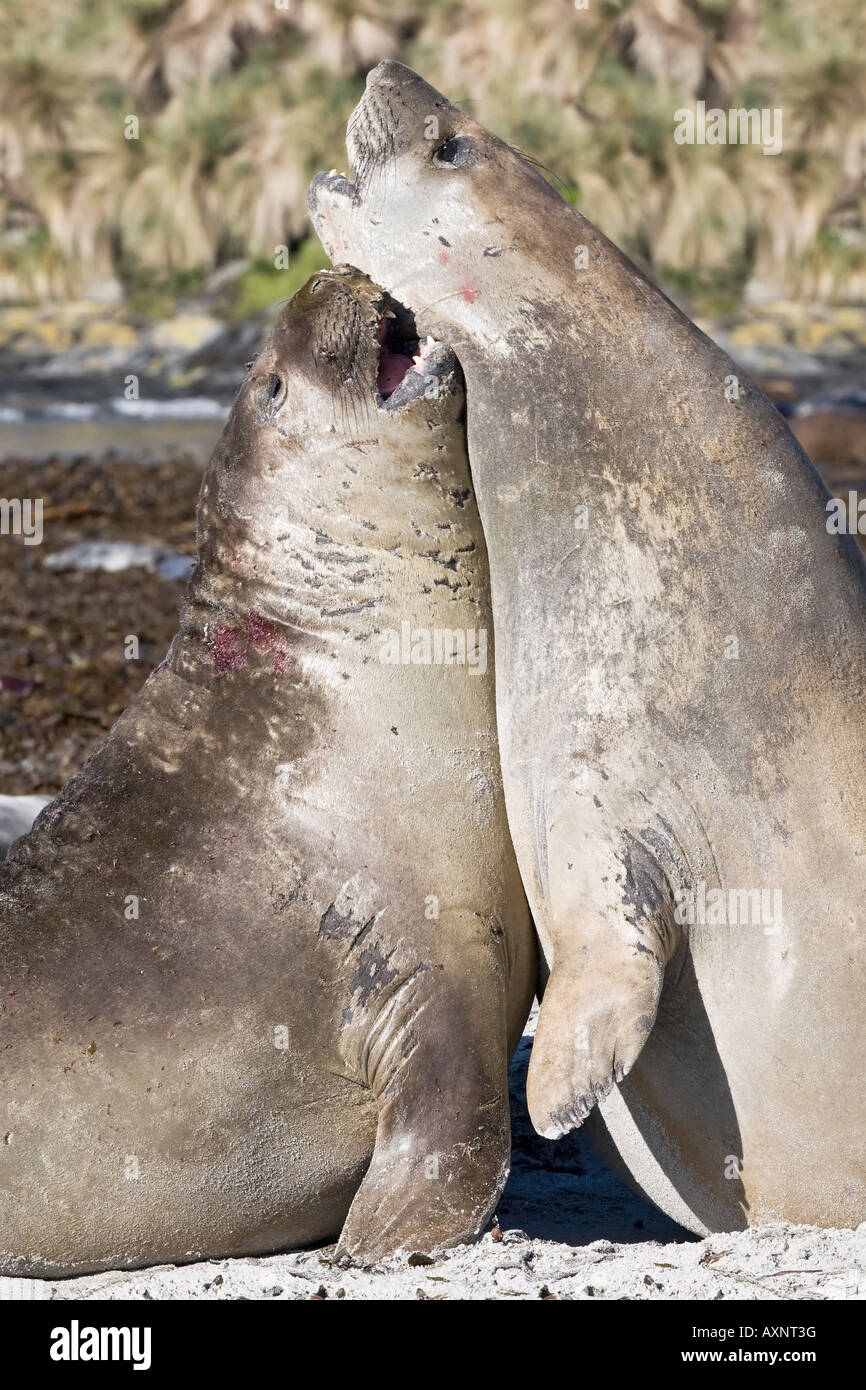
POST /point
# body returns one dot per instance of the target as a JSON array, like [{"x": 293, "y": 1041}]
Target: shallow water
[
  {"x": 146, "y": 440},
  {"x": 85, "y": 420}
]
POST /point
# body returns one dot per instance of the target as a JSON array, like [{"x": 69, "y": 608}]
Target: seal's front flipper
[
  {"x": 612, "y": 932},
  {"x": 594, "y": 1020},
  {"x": 443, "y": 1138}
]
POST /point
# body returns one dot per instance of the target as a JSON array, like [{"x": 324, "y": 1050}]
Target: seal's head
[
  {"x": 341, "y": 350},
  {"x": 343, "y": 370},
  {"x": 342, "y": 342},
  {"x": 437, "y": 205}
]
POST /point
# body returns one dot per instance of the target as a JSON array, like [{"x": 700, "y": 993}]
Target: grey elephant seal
[
  {"x": 264, "y": 957},
  {"x": 681, "y": 670}
]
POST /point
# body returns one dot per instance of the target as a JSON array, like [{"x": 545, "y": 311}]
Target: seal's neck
[
  {"x": 334, "y": 578},
  {"x": 579, "y": 292},
  {"x": 612, "y": 373}
]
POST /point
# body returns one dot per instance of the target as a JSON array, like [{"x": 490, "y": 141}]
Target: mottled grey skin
[
  {"x": 681, "y": 671},
  {"x": 286, "y": 1039}
]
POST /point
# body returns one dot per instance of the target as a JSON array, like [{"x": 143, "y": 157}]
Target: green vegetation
[
  {"x": 262, "y": 286},
  {"x": 238, "y": 102}
]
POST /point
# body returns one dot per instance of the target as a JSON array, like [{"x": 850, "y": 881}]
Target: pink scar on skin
[
  {"x": 444, "y": 258},
  {"x": 469, "y": 294},
  {"x": 231, "y": 646},
  {"x": 261, "y": 632},
  {"x": 265, "y": 636},
  {"x": 225, "y": 653}
]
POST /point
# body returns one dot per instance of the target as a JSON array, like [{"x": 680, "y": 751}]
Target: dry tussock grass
[{"x": 240, "y": 102}]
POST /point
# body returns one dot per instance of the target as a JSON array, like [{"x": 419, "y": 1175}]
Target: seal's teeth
[
  {"x": 424, "y": 350},
  {"x": 331, "y": 173}
]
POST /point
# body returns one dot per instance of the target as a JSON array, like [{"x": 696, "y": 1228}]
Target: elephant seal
[
  {"x": 264, "y": 957},
  {"x": 681, "y": 670}
]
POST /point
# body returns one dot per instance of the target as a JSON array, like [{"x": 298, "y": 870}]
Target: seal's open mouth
[
  {"x": 400, "y": 350},
  {"x": 397, "y": 353}
]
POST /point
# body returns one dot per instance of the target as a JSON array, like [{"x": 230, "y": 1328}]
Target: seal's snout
[
  {"x": 390, "y": 73},
  {"x": 398, "y": 115},
  {"x": 393, "y": 79},
  {"x": 368, "y": 339},
  {"x": 333, "y": 184},
  {"x": 393, "y": 115},
  {"x": 408, "y": 366}
]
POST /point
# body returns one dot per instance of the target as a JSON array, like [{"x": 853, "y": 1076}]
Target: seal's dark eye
[
  {"x": 275, "y": 391},
  {"x": 457, "y": 152}
]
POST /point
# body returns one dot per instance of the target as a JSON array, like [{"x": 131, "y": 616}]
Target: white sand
[{"x": 754, "y": 1265}]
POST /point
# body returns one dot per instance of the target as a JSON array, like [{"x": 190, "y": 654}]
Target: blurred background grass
[{"x": 239, "y": 102}]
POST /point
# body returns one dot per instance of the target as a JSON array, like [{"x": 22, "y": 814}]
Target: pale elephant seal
[
  {"x": 276, "y": 920},
  {"x": 681, "y": 671}
]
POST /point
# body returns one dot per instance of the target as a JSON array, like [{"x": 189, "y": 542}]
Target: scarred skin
[
  {"x": 681, "y": 670},
  {"x": 287, "y": 1039}
]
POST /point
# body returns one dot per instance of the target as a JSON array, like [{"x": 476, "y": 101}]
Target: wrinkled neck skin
[
  {"x": 317, "y": 561},
  {"x": 304, "y": 571}
]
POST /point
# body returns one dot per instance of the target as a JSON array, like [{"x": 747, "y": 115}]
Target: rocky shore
[
  {"x": 199, "y": 344},
  {"x": 64, "y": 673}
]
